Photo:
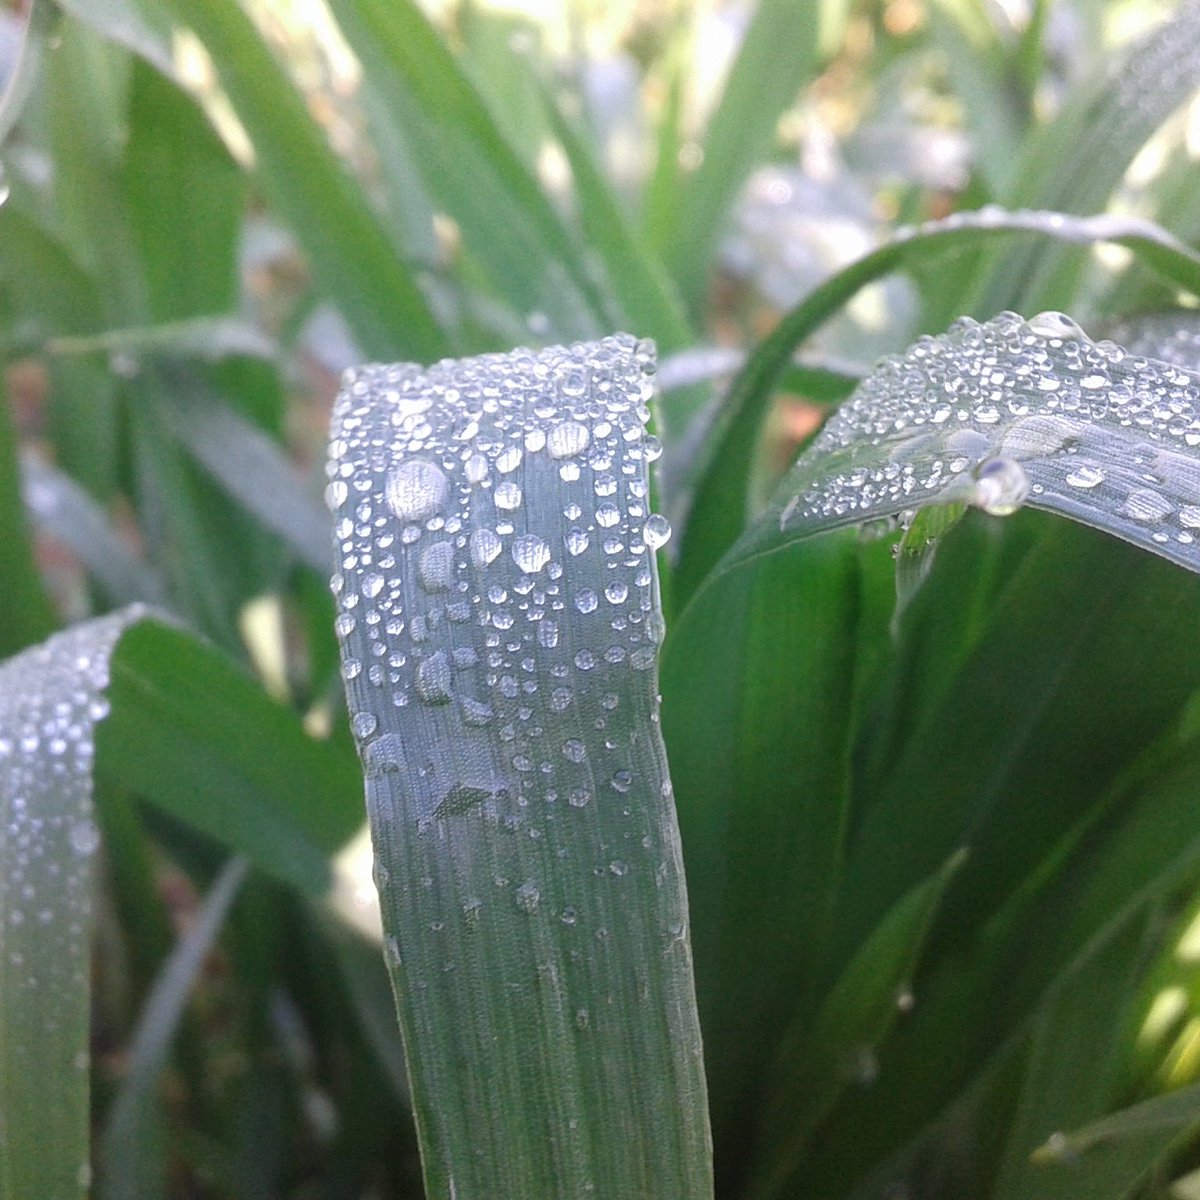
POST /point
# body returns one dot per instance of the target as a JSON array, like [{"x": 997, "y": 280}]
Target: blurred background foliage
[{"x": 212, "y": 208}]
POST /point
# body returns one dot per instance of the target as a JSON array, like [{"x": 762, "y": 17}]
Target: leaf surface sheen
[{"x": 499, "y": 617}]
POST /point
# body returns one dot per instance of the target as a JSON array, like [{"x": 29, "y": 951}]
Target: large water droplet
[
  {"x": 1001, "y": 487},
  {"x": 657, "y": 531},
  {"x": 1055, "y": 325},
  {"x": 415, "y": 490},
  {"x": 1147, "y": 506}
]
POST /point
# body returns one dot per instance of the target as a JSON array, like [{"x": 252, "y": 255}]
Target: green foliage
[{"x": 929, "y": 687}]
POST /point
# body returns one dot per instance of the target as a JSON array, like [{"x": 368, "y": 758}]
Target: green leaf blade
[
  {"x": 499, "y": 659},
  {"x": 50, "y": 700}
]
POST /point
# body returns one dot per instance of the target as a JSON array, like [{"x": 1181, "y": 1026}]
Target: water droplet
[
  {"x": 568, "y": 916},
  {"x": 475, "y": 468},
  {"x": 622, "y": 781},
  {"x": 1056, "y": 325},
  {"x": 607, "y": 514},
  {"x": 433, "y": 679},
  {"x": 574, "y": 750},
  {"x": 507, "y": 496},
  {"x": 567, "y": 439},
  {"x": 1001, "y": 487},
  {"x": 530, "y": 553},
  {"x": 336, "y": 493},
  {"x": 509, "y": 459},
  {"x": 1085, "y": 477},
  {"x": 657, "y": 531},
  {"x": 485, "y": 547},
  {"x": 435, "y": 567},
  {"x": 475, "y": 712},
  {"x": 1146, "y": 506},
  {"x": 579, "y": 797},
  {"x": 616, "y": 592},
  {"x": 586, "y": 600},
  {"x": 364, "y": 724},
  {"x": 84, "y": 837},
  {"x": 372, "y": 584},
  {"x": 576, "y": 541},
  {"x": 415, "y": 490},
  {"x": 528, "y": 897}
]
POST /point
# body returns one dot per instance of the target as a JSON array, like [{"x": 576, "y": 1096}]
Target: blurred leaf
[
  {"x": 25, "y": 612},
  {"x": 185, "y": 200},
  {"x": 352, "y": 257},
  {"x": 40, "y": 21},
  {"x": 187, "y": 731},
  {"x": 1073, "y": 1062},
  {"x": 470, "y": 169},
  {"x": 1078, "y": 159},
  {"x": 138, "y": 25},
  {"x": 776, "y": 59},
  {"x": 129, "y": 1166},
  {"x": 50, "y": 699},
  {"x": 68, "y": 513},
  {"x": 823, "y": 1056},
  {"x": 723, "y": 479},
  {"x": 204, "y": 338},
  {"x": 516, "y": 784}
]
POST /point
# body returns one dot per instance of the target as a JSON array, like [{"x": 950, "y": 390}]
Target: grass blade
[
  {"x": 185, "y": 731},
  {"x": 499, "y": 617},
  {"x": 723, "y": 484},
  {"x": 50, "y": 700},
  {"x": 125, "y": 1174},
  {"x": 1004, "y": 414},
  {"x": 776, "y": 59},
  {"x": 354, "y": 261},
  {"x": 470, "y": 167}
]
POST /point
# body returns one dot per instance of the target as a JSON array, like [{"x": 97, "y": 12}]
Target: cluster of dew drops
[
  {"x": 51, "y": 697},
  {"x": 496, "y": 551},
  {"x": 1008, "y": 410}
]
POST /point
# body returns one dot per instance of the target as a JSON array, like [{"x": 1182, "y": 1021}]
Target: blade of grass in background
[
  {"x": 25, "y": 613},
  {"x": 50, "y": 700},
  {"x": 536, "y": 265},
  {"x": 724, "y": 483},
  {"x": 1081, "y": 156},
  {"x": 776, "y": 59},
  {"x": 185, "y": 731},
  {"x": 130, "y": 1167},
  {"x": 352, "y": 257},
  {"x": 499, "y": 620}
]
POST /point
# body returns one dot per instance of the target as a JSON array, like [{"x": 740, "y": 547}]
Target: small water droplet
[
  {"x": 364, "y": 724},
  {"x": 433, "y": 679},
  {"x": 507, "y": 496},
  {"x": 607, "y": 514},
  {"x": 586, "y": 600},
  {"x": 528, "y": 897},
  {"x": 530, "y": 552},
  {"x": 372, "y": 584},
  {"x": 84, "y": 837},
  {"x": 1085, "y": 477},
  {"x": 1053, "y": 324},
  {"x": 485, "y": 547},
  {"x": 567, "y": 439},
  {"x": 574, "y": 750}
]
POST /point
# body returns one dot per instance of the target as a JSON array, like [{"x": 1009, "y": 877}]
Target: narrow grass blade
[
  {"x": 499, "y": 621},
  {"x": 824, "y": 1055},
  {"x": 776, "y": 59},
  {"x": 252, "y": 468},
  {"x": 63, "y": 509},
  {"x": 352, "y": 257},
  {"x": 470, "y": 168},
  {"x": 208, "y": 339},
  {"x": 1004, "y": 414},
  {"x": 39, "y": 26},
  {"x": 25, "y": 613},
  {"x": 186, "y": 730},
  {"x": 1084, "y": 153},
  {"x": 126, "y": 1171},
  {"x": 722, "y": 484},
  {"x": 50, "y": 700},
  {"x": 138, "y": 25}
]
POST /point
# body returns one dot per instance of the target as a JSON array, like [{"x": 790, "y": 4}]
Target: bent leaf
[
  {"x": 999, "y": 415},
  {"x": 499, "y": 616},
  {"x": 51, "y": 697},
  {"x": 725, "y": 476}
]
